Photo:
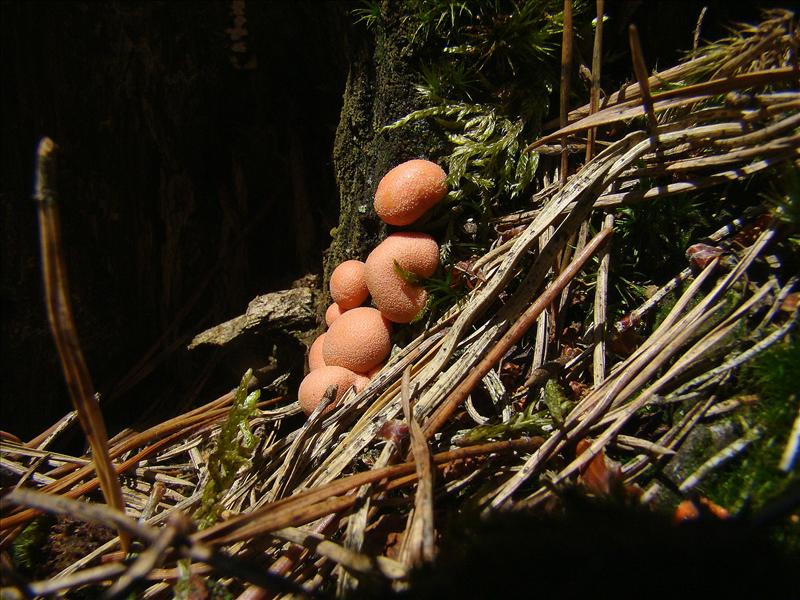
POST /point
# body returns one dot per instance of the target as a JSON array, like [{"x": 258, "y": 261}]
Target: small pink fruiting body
[
  {"x": 315, "y": 384},
  {"x": 409, "y": 190},
  {"x": 333, "y": 312},
  {"x": 358, "y": 340},
  {"x": 398, "y": 299},
  {"x": 361, "y": 382},
  {"x": 315, "y": 359},
  {"x": 348, "y": 288}
]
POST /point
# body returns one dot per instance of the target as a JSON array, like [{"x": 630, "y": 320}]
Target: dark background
[
  {"x": 188, "y": 184},
  {"x": 193, "y": 176}
]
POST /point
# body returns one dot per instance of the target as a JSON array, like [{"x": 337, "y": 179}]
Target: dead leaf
[{"x": 601, "y": 475}]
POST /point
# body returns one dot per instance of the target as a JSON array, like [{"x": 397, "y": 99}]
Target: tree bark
[{"x": 384, "y": 67}]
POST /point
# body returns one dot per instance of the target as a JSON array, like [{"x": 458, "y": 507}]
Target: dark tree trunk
[{"x": 380, "y": 89}]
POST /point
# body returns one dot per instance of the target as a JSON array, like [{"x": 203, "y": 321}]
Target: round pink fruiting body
[
  {"x": 316, "y": 383},
  {"x": 348, "y": 288},
  {"x": 414, "y": 251},
  {"x": 361, "y": 382},
  {"x": 358, "y": 340},
  {"x": 315, "y": 359},
  {"x": 333, "y": 312},
  {"x": 401, "y": 302},
  {"x": 409, "y": 190},
  {"x": 398, "y": 299}
]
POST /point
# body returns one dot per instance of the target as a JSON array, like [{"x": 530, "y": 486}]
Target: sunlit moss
[
  {"x": 754, "y": 480},
  {"x": 27, "y": 547},
  {"x": 528, "y": 422},
  {"x": 231, "y": 452}
]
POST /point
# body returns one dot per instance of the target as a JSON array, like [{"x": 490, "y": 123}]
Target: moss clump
[
  {"x": 27, "y": 550},
  {"x": 486, "y": 85},
  {"x": 528, "y": 422},
  {"x": 484, "y": 79},
  {"x": 755, "y": 480},
  {"x": 231, "y": 452}
]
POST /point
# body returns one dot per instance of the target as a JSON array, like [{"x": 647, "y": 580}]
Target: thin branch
[
  {"x": 729, "y": 452},
  {"x": 44, "y": 439},
  {"x": 294, "y": 454},
  {"x": 566, "y": 74},
  {"x": 698, "y": 26},
  {"x": 62, "y": 324},
  {"x": 647, "y": 446},
  {"x": 600, "y": 310},
  {"x": 147, "y": 560},
  {"x": 789, "y": 454},
  {"x": 640, "y": 69},
  {"x": 597, "y": 63},
  {"x": 420, "y": 534},
  {"x": 354, "y": 561},
  {"x": 86, "y": 576}
]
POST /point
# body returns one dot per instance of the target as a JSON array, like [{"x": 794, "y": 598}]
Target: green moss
[
  {"x": 755, "y": 479},
  {"x": 27, "y": 548},
  {"x": 527, "y": 422},
  {"x": 484, "y": 73},
  {"x": 444, "y": 291},
  {"x": 486, "y": 86},
  {"x": 231, "y": 452}
]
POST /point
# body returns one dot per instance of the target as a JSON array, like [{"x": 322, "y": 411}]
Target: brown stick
[
  {"x": 512, "y": 336},
  {"x": 420, "y": 533},
  {"x": 597, "y": 63},
  {"x": 600, "y": 310},
  {"x": 640, "y": 69},
  {"x": 62, "y": 324},
  {"x": 566, "y": 71}
]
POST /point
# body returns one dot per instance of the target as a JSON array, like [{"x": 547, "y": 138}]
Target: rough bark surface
[
  {"x": 289, "y": 311},
  {"x": 384, "y": 66}
]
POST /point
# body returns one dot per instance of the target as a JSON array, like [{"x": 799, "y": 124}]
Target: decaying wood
[{"x": 291, "y": 311}]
